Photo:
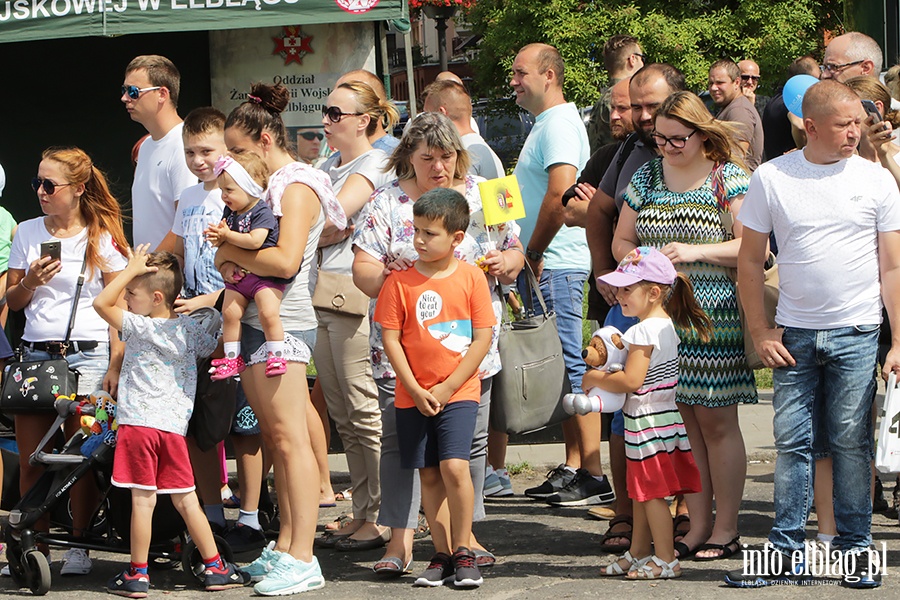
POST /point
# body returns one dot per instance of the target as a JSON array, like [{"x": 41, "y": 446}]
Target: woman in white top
[
  {"x": 81, "y": 215},
  {"x": 302, "y": 198},
  {"x": 352, "y": 112}
]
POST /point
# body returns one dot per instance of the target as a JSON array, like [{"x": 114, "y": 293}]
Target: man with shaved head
[{"x": 836, "y": 217}]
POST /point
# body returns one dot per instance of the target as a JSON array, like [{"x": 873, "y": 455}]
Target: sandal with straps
[
  {"x": 611, "y": 535},
  {"x": 614, "y": 570},
  {"x": 645, "y": 571}
]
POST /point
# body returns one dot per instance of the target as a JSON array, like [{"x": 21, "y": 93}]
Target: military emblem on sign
[
  {"x": 293, "y": 45},
  {"x": 356, "y": 6}
]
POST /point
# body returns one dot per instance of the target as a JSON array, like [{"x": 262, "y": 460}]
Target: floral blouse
[{"x": 384, "y": 230}]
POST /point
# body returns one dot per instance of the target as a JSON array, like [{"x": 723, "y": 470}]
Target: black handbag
[
  {"x": 33, "y": 386},
  {"x": 527, "y": 393}
]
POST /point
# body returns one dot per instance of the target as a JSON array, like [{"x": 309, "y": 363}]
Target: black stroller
[{"x": 110, "y": 525}]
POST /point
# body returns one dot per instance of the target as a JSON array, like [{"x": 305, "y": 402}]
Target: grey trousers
[{"x": 401, "y": 494}]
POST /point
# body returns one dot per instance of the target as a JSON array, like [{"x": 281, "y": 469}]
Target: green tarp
[{"x": 24, "y": 20}]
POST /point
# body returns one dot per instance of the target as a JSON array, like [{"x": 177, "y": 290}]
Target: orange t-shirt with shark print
[{"x": 436, "y": 318}]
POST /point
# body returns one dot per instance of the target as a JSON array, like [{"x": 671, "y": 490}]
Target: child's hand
[
  {"x": 441, "y": 392},
  {"x": 215, "y": 234},
  {"x": 427, "y": 404},
  {"x": 137, "y": 261}
]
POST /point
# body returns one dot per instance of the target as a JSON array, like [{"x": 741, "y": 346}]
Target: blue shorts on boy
[{"x": 426, "y": 441}]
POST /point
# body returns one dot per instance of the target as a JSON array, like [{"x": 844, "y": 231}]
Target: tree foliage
[{"x": 689, "y": 34}]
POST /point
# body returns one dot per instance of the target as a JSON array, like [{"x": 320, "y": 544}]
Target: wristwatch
[{"x": 533, "y": 255}]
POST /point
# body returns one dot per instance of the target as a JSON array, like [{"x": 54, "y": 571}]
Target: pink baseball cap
[{"x": 642, "y": 264}]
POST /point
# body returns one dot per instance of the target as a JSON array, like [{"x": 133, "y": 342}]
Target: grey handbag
[{"x": 527, "y": 392}]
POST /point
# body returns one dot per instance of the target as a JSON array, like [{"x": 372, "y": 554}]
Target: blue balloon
[{"x": 794, "y": 90}]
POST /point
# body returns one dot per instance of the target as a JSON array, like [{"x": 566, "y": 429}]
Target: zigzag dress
[
  {"x": 712, "y": 374},
  {"x": 659, "y": 460}
]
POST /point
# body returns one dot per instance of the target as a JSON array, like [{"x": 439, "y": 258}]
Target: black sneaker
[
  {"x": 584, "y": 490},
  {"x": 243, "y": 538},
  {"x": 465, "y": 568},
  {"x": 128, "y": 585},
  {"x": 778, "y": 572},
  {"x": 216, "y": 579},
  {"x": 556, "y": 480},
  {"x": 439, "y": 570},
  {"x": 865, "y": 570}
]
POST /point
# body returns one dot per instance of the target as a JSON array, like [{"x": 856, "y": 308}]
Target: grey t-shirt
[
  {"x": 615, "y": 180},
  {"x": 741, "y": 110}
]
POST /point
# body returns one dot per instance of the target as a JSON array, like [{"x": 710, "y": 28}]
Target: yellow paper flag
[{"x": 501, "y": 200}]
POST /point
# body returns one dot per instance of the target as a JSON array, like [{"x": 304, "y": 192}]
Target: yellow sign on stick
[{"x": 501, "y": 199}]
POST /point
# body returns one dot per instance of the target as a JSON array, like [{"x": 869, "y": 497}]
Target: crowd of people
[{"x": 377, "y": 265}]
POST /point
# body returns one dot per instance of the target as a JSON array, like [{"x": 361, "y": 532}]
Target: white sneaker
[
  {"x": 4, "y": 572},
  {"x": 75, "y": 562},
  {"x": 291, "y": 576}
]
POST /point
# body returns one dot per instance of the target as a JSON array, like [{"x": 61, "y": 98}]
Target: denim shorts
[
  {"x": 297, "y": 345},
  {"x": 91, "y": 365}
]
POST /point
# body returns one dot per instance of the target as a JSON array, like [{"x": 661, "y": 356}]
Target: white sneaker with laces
[
  {"x": 290, "y": 576},
  {"x": 76, "y": 562}
]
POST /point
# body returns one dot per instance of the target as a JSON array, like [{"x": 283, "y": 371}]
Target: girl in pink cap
[{"x": 659, "y": 457}]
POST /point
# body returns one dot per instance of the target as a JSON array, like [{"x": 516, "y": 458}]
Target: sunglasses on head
[
  {"x": 134, "y": 92},
  {"x": 49, "y": 187},
  {"x": 312, "y": 135},
  {"x": 334, "y": 114}
]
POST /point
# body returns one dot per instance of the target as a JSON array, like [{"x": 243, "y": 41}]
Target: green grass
[
  {"x": 763, "y": 379},
  {"x": 519, "y": 468}
]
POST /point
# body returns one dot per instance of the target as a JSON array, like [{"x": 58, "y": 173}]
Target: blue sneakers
[
  {"x": 259, "y": 568},
  {"x": 291, "y": 576}
]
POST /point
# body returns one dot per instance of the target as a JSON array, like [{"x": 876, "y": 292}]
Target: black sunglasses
[
  {"x": 134, "y": 92},
  {"x": 749, "y": 77},
  {"x": 49, "y": 187},
  {"x": 312, "y": 135},
  {"x": 335, "y": 114}
]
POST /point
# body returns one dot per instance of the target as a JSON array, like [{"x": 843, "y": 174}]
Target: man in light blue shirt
[{"x": 552, "y": 158}]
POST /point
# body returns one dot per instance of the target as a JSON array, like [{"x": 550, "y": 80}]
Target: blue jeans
[
  {"x": 563, "y": 291},
  {"x": 839, "y": 364}
]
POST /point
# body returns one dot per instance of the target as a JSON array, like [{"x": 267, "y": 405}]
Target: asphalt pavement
[{"x": 543, "y": 552}]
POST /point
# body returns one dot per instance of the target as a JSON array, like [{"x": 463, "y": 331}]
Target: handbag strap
[
  {"x": 726, "y": 218},
  {"x": 531, "y": 284},
  {"x": 78, "y": 287}
]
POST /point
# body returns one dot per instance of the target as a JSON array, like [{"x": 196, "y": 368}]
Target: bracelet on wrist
[{"x": 22, "y": 283}]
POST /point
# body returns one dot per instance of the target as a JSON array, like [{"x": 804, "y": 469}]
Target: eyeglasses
[
  {"x": 134, "y": 92},
  {"x": 49, "y": 187},
  {"x": 835, "y": 69},
  {"x": 312, "y": 135},
  {"x": 749, "y": 77},
  {"x": 676, "y": 142},
  {"x": 334, "y": 114},
  {"x": 643, "y": 56}
]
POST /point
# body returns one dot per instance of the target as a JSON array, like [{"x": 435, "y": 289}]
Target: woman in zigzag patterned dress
[{"x": 671, "y": 205}]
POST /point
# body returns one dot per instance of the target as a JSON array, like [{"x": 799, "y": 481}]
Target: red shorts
[{"x": 150, "y": 459}]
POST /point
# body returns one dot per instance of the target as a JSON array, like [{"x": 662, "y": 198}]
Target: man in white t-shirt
[
  {"x": 450, "y": 98},
  {"x": 150, "y": 94},
  {"x": 836, "y": 217}
]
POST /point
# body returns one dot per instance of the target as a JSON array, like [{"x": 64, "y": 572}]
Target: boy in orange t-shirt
[{"x": 436, "y": 323}]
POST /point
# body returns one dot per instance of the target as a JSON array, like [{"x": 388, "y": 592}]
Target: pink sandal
[
  {"x": 226, "y": 367},
  {"x": 275, "y": 366}
]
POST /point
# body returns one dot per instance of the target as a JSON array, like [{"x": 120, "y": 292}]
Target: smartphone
[
  {"x": 52, "y": 249},
  {"x": 872, "y": 110}
]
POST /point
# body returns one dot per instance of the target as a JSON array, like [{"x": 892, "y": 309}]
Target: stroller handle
[{"x": 65, "y": 407}]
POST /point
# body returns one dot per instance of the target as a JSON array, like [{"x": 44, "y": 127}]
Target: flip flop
[
  {"x": 327, "y": 504},
  {"x": 392, "y": 567},
  {"x": 339, "y": 523},
  {"x": 601, "y": 513},
  {"x": 344, "y": 495},
  {"x": 727, "y": 550}
]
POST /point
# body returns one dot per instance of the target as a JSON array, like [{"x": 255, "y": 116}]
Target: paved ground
[{"x": 544, "y": 552}]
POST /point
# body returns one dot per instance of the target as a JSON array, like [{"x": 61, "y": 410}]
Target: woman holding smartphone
[{"x": 81, "y": 229}]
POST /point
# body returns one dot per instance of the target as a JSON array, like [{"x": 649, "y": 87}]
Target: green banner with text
[{"x": 24, "y": 20}]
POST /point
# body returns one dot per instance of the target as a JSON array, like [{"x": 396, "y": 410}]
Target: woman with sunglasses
[
  {"x": 673, "y": 204},
  {"x": 430, "y": 155},
  {"x": 352, "y": 112},
  {"x": 83, "y": 217},
  {"x": 302, "y": 197}
]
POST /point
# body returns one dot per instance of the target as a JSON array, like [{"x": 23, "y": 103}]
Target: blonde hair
[
  {"x": 720, "y": 144},
  {"x": 382, "y": 112},
  {"x": 99, "y": 209}
]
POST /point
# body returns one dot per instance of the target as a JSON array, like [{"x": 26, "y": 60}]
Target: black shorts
[{"x": 426, "y": 441}]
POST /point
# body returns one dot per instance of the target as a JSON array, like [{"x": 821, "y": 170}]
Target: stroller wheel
[
  {"x": 37, "y": 572},
  {"x": 192, "y": 562}
]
